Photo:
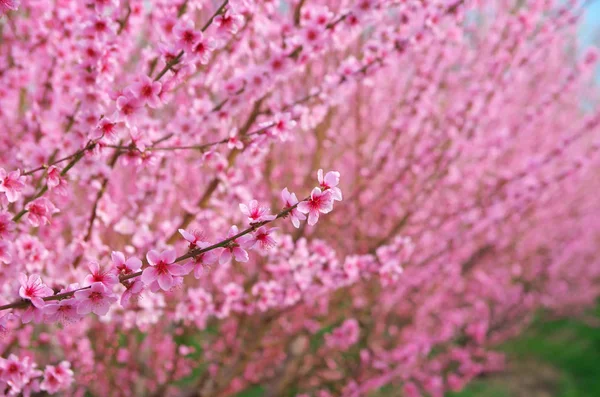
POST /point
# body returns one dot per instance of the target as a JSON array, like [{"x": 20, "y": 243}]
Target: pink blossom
[
  {"x": 186, "y": 35},
  {"x": 96, "y": 299},
  {"x": 6, "y": 224},
  {"x": 33, "y": 289},
  {"x": 39, "y": 211},
  {"x": 282, "y": 125},
  {"x": 107, "y": 276},
  {"x": 193, "y": 238},
  {"x": 330, "y": 182},
  {"x": 11, "y": 184},
  {"x": 263, "y": 239},
  {"x": 290, "y": 200},
  {"x": 255, "y": 212},
  {"x": 64, "y": 311},
  {"x": 234, "y": 142},
  {"x": 54, "y": 177},
  {"x": 132, "y": 288},
  {"x": 5, "y": 251},
  {"x": 228, "y": 23},
  {"x": 147, "y": 91},
  {"x": 201, "y": 261},
  {"x": 57, "y": 378},
  {"x": 203, "y": 48},
  {"x": 162, "y": 269},
  {"x": 8, "y": 5},
  {"x": 344, "y": 336},
  {"x": 319, "y": 202},
  {"x": 123, "y": 266},
  {"x": 128, "y": 107},
  {"x": 237, "y": 248},
  {"x": 106, "y": 129},
  {"x": 18, "y": 373}
]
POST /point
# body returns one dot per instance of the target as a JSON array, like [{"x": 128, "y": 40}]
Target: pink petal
[
  {"x": 225, "y": 256},
  {"x": 313, "y": 217},
  {"x": 165, "y": 281},
  {"x": 178, "y": 270},
  {"x": 149, "y": 275},
  {"x": 153, "y": 257},
  {"x": 84, "y": 307},
  {"x": 101, "y": 308},
  {"x": 240, "y": 254},
  {"x": 168, "y": 256}
]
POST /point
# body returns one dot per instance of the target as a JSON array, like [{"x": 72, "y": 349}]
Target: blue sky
[{"x": 591, "y": 23}]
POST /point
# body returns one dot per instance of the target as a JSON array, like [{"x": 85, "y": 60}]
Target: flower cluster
[{"x": 143, "y": 160}]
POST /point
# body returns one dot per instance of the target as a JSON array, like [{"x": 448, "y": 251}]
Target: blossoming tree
[{"x": 319, "y": 197}]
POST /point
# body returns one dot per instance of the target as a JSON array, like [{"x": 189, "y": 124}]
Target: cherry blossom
[
  {"x": 162, "y": 269},
  {"x": 107, "y": 276},
  {"x": 330, "y": 182},
  {"x": 5, "y": 251},
  {"x": 123, "y": 266},
  {"x": 147, "y": 91},
  {"x": 96, "y": 299},
  {"x": 40, "y": 211},
  {"x": 6, "y": 5},
  {"x": 33, "y": 289},
  {"x": 236, "y": 248},
  {"x": 290, "y": 200},
  {"x": 319, "y": 202},
  {"x": 255, "y": 212},
  {"x": 11, "y": 184}
]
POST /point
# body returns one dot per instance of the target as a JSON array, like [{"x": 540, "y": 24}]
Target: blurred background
[{"x": 555, "y": 358}]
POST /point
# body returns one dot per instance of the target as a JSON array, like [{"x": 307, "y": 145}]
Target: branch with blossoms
[{"x": 159, "y": 271}]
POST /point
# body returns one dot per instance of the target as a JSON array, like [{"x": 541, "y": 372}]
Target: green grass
[
  {"x": 567, "y": 350},
  {"x": 570, "y": 347}
]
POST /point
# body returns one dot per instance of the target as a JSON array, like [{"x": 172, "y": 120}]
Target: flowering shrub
[{"x": 321, "y": 197}]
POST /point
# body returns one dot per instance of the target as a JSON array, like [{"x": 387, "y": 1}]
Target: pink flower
[
  {"x": 7, "y": 5},
  {"x": 40, "y": 211},
  {"x": 54, "y": 177},
  {"x": 6, "y": 224},
  {"x": 186, "y": 35},
  {"x": 290, "y": 201},
  {"x": 18, "y": 373},
  {"x": 5, "y": 251},
  {"x": 106, "y": 129},
  {"x": 128, "y": 107},
  {"x": 193, "y": 238},
  {"x": 123, "y": 266},
  {"x": 64, "y": 311},
  {"x": 57, "y": 378},
  {"x": 262, "y": 237},
  {"x": 147, "y": 91},
  {"x": 33, "y": 289},
  {"x": 256, "y": 213},
  {"x": 203, "y": 260},
  {"x": 162, "y": 269},
  {"x": 107, "y": 277},
  {"x": 318, "y": 202},
  {"x": 96, "y": 299},
  {"x": 236, "y": 247},
  {"x": 132, "y": 287},
  {"x": 234, "y": 142},
  {"x": 282, "y": 125},
  {"x": 312, "y": 35},
  {"x": 228, "y": 23},
  {"x": 330, "y": 182},
  {"x": 11, "y": 184},
  {"x": 203, "y": 48}
]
